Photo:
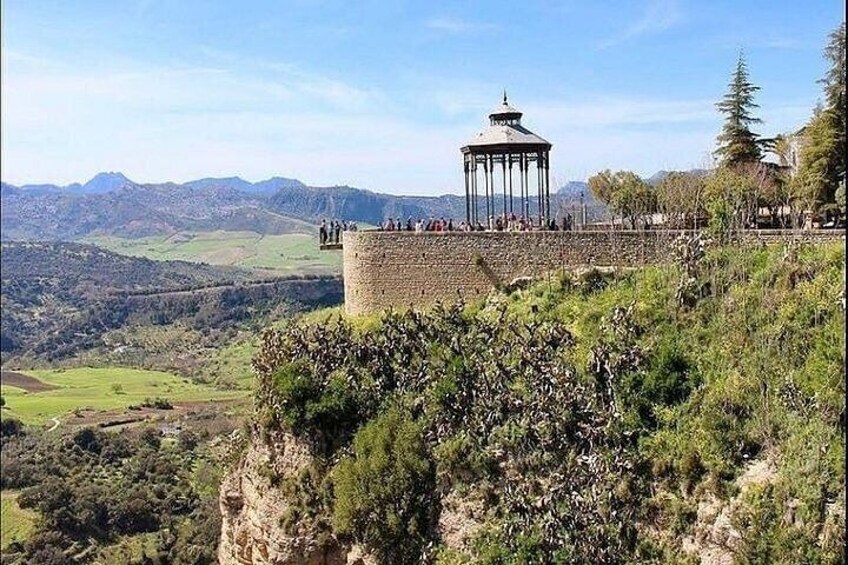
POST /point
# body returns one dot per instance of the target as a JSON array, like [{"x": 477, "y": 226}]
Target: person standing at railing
[{"x": 322, "y": 232}]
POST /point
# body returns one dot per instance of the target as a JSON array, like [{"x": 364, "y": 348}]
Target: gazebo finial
[{"x": 504, "y": 96}]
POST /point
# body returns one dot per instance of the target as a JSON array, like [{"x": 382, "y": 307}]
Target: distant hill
[
  {"x": 655, "y": 179},
  {"x": 59, "y": 298},
  {"x": 102, "y": 183},
  {"x": 111, "y": 204},
  {"x": 574, "y": 189},
  {"x": 93, "y": 271},
  {"x": 137, "y": 211}
]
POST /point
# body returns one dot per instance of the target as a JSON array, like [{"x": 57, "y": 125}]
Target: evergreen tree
[
  {"x": 834, "y": 80},
  {"x": 822, "y": 157},
  {"x": 737, "y": 143}
]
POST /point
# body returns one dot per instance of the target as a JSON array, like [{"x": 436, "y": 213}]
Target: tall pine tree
[
  {"x": 834, "y": 92},
  {"x": 822, "y": 156},
  {"x": 737, "y": 144}
]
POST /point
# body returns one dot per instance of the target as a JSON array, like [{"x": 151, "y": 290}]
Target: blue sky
[{"x": 381, "y": 95}]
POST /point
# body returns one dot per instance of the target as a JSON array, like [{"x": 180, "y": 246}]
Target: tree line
[{"x": 805, "y": 178}]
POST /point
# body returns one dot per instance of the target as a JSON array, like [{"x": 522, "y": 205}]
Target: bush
[
  {"x": 187, "y": 440},
  {"x": 11, "y": 427},
  {"x": 150, "y": 437},
  {"x": 158, "y": 403},
  {"x": 593, "y": 281},
  {"x": 325, "y": 411},
  {"x": 89, "y": 439},
  {"x": 768, "y": 534},
  {"x": 384, "y": 492}
]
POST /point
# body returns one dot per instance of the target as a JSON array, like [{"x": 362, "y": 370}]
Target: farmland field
[
  {"x": 102, "y": 389},
  {"x": 15, "y": 522},
  {"x": 279, "y": 254}
]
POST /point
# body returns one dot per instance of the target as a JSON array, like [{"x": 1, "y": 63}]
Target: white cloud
[
  {"x": 658, "y": 16},
  {"x": 619, "y": 112},
  {"x": 159, "y": 124},
  {"x": 457, "y": 25},
  {"x": 257, "y": 119}
]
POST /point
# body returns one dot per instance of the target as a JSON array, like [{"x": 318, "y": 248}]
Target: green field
[
  {"x": 281, "y": 254},
  {"x": 15, "y": 522},
  {"x": 97, "y": 388}
]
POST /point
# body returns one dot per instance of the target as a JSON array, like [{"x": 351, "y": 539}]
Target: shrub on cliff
[
  {"x": 325, "y": 410},
  {"x": 384, "y": 492}
]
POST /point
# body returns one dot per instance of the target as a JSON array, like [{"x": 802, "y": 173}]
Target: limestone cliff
[{"x": 252, "y": 509}]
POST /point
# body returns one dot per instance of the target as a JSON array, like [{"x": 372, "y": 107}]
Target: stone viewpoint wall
[{"x": 407, "y": 269}]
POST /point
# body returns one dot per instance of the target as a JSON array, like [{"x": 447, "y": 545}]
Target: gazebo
[{"x": 505, "y": 144}]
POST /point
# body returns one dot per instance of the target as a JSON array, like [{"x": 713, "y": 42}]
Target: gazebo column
[
  {"x": 521, "y": 182},
  {"x": 525, "y": 179},
  {"x": 474, "y": 187},
  {"x": 548, "y": 185},
  {"x": 510, "y": 183},
  {"x": 492, "y": 186},
  {"x": 503, "y": 174},
  {"x": 486, "y": 174},
  {"x": 540, "y": 206},
  {"x": 467, "y": 193}
]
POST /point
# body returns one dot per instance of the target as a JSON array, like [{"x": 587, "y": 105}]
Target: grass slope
[
  {"x": 15, "y": 522},
  {"x": 283, "y": 254},
  {"x": 93, "y": 387}
]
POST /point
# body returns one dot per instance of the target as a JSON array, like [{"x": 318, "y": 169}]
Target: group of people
[
  {"x": 331, "y": 232},
  {"x": 503, "y": 222},
  {"x": 420, "y": 226}
]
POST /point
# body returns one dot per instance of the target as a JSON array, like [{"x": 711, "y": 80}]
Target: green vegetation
[
  {"x": 587, "y": 416},
  {"x": 66, "y": 301},
  {"x": 680, "y": 198},
  {"x": 92, "y": 387},
  {"x": 383, "y": 491},
  {"x": 229, "y": 366},
  {"x": 822, "y": 160},
  {"x": 625, "y": 193},
  {"x": 744, "y": 190},
  {"x": 128, "y": 496},
  {"x": 15, "y": 522},
  {"x": 281, "y": 254}
]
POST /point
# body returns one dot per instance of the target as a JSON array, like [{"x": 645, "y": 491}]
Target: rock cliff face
[
  {"x": 252, "y": 531},
  {"x": 252, "y": 507}
]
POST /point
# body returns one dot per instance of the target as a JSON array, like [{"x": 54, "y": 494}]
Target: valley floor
[{"x": 274, "y": 254}]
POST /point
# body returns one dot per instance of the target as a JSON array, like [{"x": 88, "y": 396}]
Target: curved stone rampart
[{"x": 407, "y": 269}]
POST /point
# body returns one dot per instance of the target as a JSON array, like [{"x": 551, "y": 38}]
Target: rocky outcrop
[
  {"x": 253, "y": 504},
  {"x": 715, "y": 539},
  {"x": 252, "y": 531}
]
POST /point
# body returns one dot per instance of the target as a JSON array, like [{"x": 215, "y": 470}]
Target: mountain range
[{"x": 112, "y": 204}]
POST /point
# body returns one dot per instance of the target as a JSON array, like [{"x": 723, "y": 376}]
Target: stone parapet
[{"x": 406, "y": 269}]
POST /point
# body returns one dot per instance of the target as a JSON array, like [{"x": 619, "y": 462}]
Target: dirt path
[{"x": 26, "y": 382}]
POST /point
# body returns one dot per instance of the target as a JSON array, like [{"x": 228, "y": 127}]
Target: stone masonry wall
[{"x": 406, "y": 269}]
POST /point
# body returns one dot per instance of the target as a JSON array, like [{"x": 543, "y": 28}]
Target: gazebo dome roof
[
  {"x": 505, "y": 131},
  {"x": 504, "y": 110},
  {"x": 506, "y": 135}
]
